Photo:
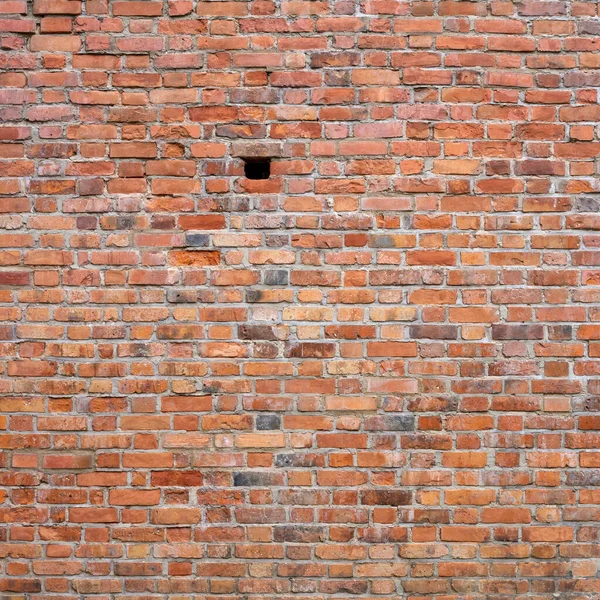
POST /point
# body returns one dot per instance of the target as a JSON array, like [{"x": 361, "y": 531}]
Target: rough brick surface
[{"x": 375, "y": 374}]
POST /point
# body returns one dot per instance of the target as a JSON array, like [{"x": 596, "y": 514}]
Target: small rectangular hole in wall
[{"x": 257, "y": 168}]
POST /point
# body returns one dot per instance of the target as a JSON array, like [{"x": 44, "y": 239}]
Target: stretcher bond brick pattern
[{"x": 299, "y": 300}]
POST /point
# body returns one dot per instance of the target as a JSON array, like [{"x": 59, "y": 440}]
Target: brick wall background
[{"x": 374, "y": 374}]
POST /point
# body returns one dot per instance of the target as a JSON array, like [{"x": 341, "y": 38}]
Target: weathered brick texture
[{"x": 374, "y": 374}]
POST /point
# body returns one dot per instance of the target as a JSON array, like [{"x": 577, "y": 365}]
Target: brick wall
[{"x": 374, "y": 374}]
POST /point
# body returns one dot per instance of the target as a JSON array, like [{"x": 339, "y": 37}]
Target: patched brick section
[{"x": 374, "y": 374}]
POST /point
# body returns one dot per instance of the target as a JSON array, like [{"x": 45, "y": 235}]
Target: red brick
[
  {"x": 134, "y": 497},
  {"x": 137, "y": 9},
  {"x": 56, "y": 7}
]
